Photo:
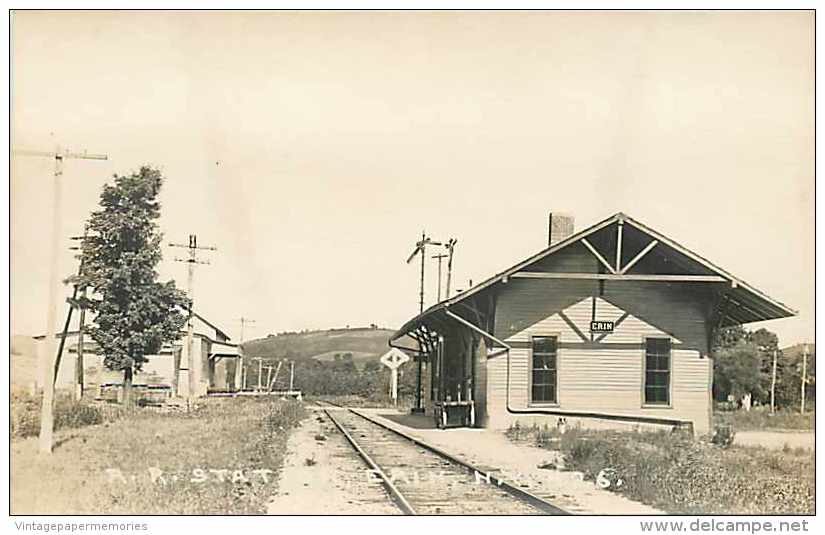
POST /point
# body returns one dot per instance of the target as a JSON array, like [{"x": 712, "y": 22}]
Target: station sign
[{"x": 601, "y": 326}]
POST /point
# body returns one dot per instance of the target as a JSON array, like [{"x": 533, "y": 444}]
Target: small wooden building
[
  {"x": 610, "y": 327},
  {"x": 218, "y": 364}
]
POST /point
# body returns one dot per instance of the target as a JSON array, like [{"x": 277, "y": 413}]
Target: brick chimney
[{"x": 560, "y": 227}]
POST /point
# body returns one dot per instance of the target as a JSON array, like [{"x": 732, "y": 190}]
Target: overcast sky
[{"x": 312, "y": 148}]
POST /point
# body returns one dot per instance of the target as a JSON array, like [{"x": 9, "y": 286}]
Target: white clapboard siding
[{"x": 606, "y": 377}]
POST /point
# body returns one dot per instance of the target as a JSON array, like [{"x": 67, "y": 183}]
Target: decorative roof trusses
[{"x": 627, "y": 250}]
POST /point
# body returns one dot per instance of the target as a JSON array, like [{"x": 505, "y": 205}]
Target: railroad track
[{"x": 422, "y": 479}]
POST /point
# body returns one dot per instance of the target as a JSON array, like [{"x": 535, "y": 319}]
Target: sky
[{"x": 313, "y": 148}]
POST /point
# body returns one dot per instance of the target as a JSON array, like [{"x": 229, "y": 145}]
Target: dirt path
[
  {"x": 775, "y": 439},
  {"x": 322, "y": 476}
]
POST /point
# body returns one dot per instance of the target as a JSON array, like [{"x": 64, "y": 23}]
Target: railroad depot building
[
  {"x": 217, "y": 365},
  {"x": 608, "y": 327}
]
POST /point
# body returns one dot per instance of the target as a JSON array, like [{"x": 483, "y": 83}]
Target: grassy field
[
  {"x": 679, "y": 475},
  {"x": 761, "y": 419},
  {"x": 222, "y": 458}
]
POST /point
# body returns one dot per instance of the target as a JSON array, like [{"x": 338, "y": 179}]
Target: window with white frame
[
  {"x": 657, "y": 371},
  {"x": 544, "y": 372}
]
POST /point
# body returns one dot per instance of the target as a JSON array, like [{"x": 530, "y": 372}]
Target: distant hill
[
  {"x": 795, "y": 351},
  {"x": 363, "y": 343}
]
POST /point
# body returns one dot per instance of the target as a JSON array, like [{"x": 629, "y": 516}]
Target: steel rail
[
  {"x": 519, "y": 493},
  {"x": 328, "y": 403},
  {"x": 396, "y": 495}
]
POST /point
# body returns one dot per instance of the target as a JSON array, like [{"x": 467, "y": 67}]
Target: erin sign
[{"x": 601, "y": 326}]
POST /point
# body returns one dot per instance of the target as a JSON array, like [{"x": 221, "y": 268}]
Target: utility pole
[
  {"x": 420, "y": 247},
  {"x": 450, "y": 248},
  {"x": 79, "y": 364},
  {"x": 773, "y": 383},
  {"x": 439, "y": 257},
  {"x": 64, "y": 334},
  {"x": 80, "y": 380},
  {"x": 804, "y": 377},
  {"x": 244, "y": 321},
  {"x": 191, "y": 262},
  {"x": 48, "y": 357}
]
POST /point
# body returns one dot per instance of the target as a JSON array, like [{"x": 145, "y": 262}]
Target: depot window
[
  {"x": 657, "y": 371},
  {"x": 544, "y": 374}
]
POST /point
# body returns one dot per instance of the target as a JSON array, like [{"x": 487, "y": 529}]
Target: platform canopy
[
  {"x": 222, "y": 349},
  {"x": 627, "y": 250}
]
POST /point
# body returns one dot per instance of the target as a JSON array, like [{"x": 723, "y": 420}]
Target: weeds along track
[{"x": 424, "y": 480}]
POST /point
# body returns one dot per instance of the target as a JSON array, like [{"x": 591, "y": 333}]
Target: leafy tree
[
  {"x": 765, "y": 340},
  {"x": 738, "y": 371},
  {"x": 789, "y": 376},
  {"x": 766, "y": 343},
  {"x": 728, "y": 337},
  {"x": 743, "y": 362},
  {"x": 342, "y": 377},
  {"x": 134, "y": 313}
]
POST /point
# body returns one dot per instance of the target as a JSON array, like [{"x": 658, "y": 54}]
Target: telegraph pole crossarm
[{"x": 66, "y": 154}]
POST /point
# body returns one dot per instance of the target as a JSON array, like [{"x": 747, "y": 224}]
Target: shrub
[
  {"x": 68, "y": 414},
  {"x": 25, "y": 415},
  {"x": 71, "y": 414},
  {"x": 514, "y": 432},
  {"x": 723, "y": 435},
  {"x": 679, "y": 475},
  {"x": 544, "y": 436}
]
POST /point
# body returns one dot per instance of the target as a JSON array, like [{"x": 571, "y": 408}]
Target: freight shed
[{"x": 608, "y": 327}]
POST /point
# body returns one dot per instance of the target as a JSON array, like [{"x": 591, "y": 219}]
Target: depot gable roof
[{"x": 745, "y": 303}]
